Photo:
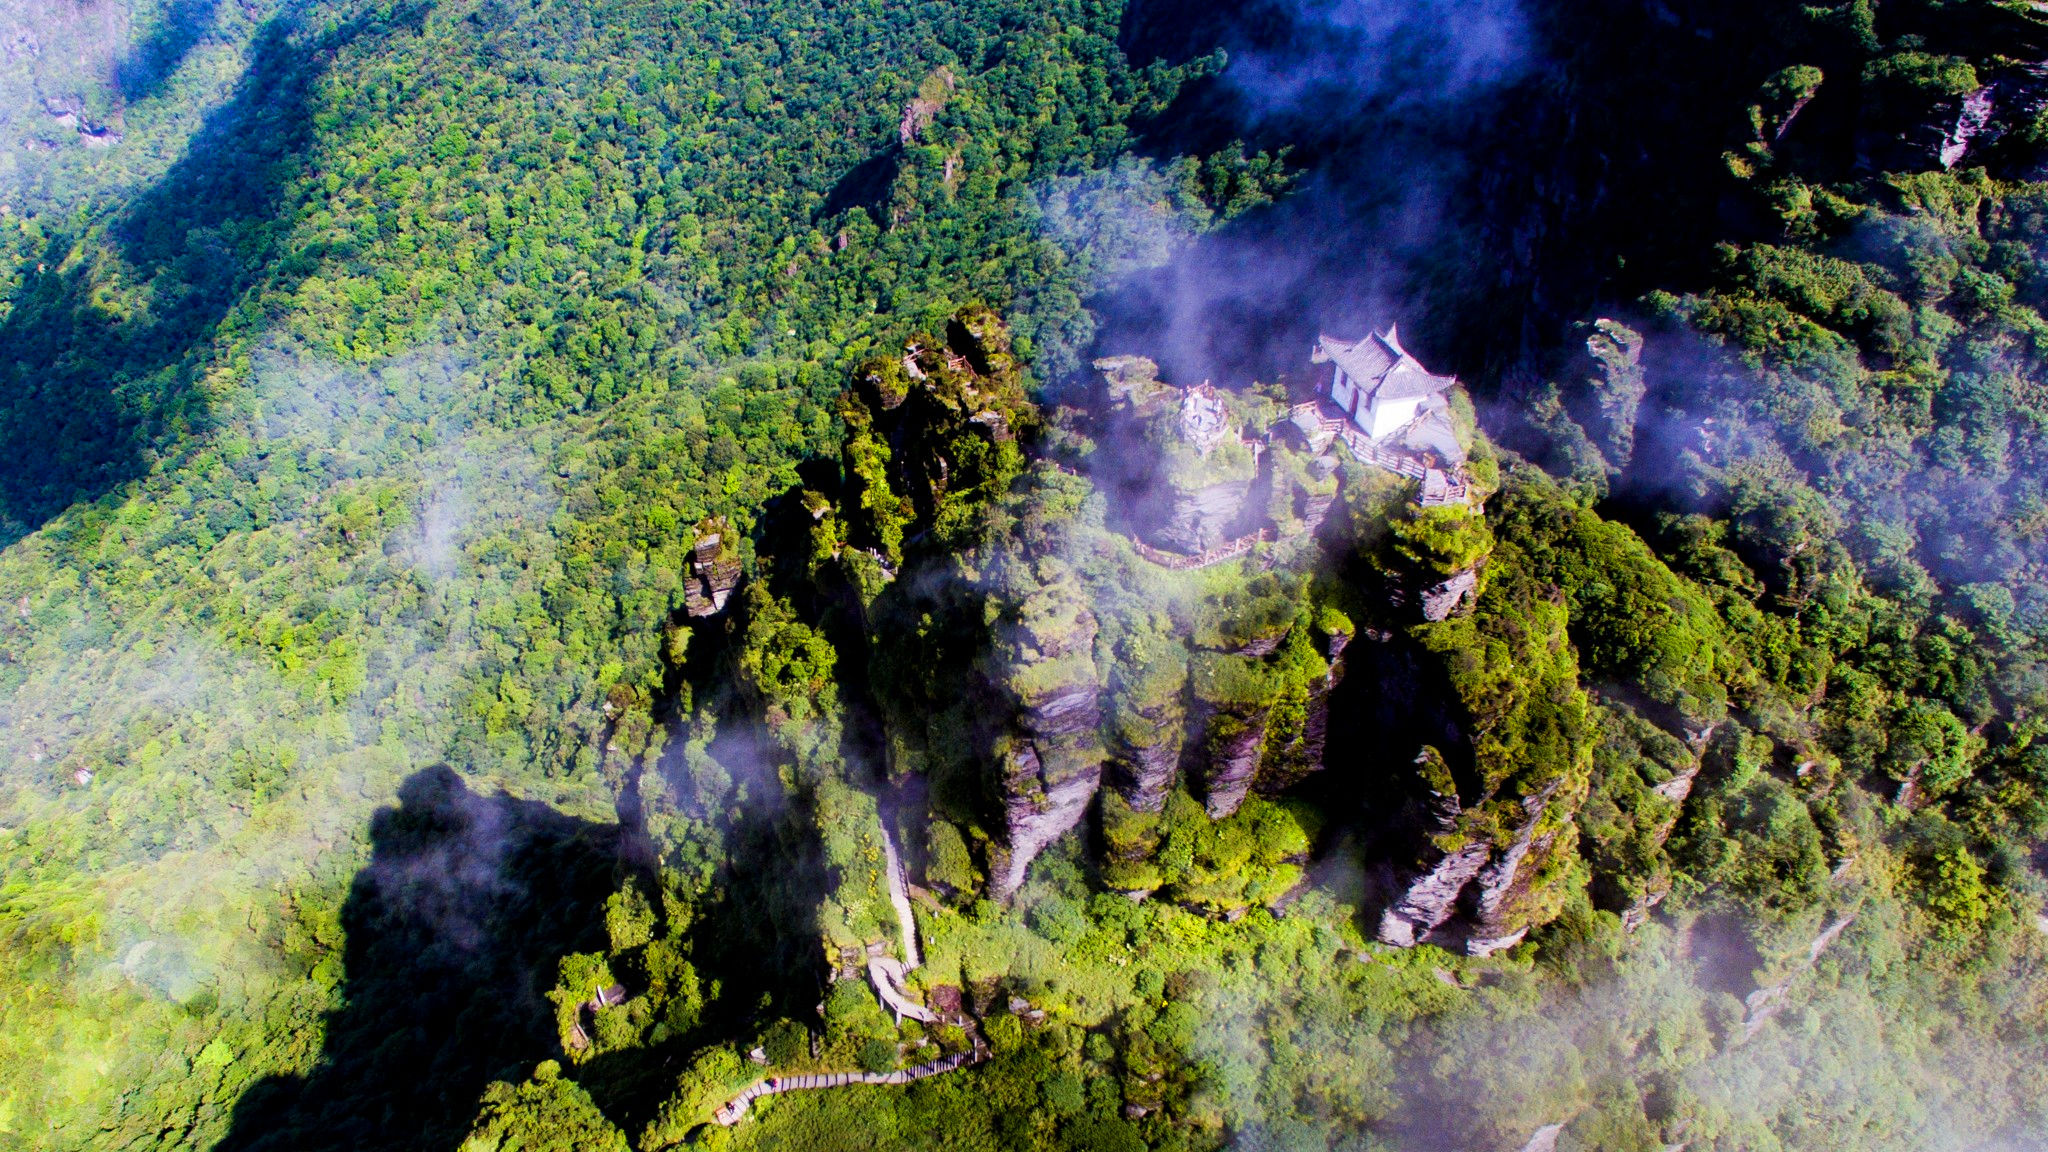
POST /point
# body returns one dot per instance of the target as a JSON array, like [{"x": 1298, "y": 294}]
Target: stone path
[
  {"x": 899, "y": 895},
  {"x": 886, "y": 972}
]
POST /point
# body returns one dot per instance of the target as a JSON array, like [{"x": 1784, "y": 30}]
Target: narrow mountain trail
[
  {"x": 899, "y": 896},
  {"x": 887, "y": 973},
  {"x": 733, "y": 1110}
]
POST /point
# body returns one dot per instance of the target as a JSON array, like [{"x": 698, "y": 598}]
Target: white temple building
[{"x": 1390, "y": 397}]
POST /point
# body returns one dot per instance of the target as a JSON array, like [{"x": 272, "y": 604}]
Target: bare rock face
[
  {"x": 1452, "y": 597},
  {"x": 1972, "y": 118},
  {"x": 1196, "y": 521},
  {"x": 714, "y": 570},
  {"x": 1911, "y": 126},
  {"x": 1041, "y": 802},
  {"x": 1490, "y": 889},
  {"x": 1675, "y": 791},
  {"x": 1503, "y": 885},
  {"x": 1234, "y": 746},
  {"x": 1430, "y": 897},
  {"x": 1051, "y": 765},
  {"x": 1144, "y": 772}
]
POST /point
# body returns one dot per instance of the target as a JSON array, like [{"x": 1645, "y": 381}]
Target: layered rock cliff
[
  {"x": 1147, "y": 720},
  {"x": 1032, "y": 660},
  {"x": 1050, "y": 764},
  {"x": 1499, "y": 845},
  {"x": 1429, "y": 895},
  {"x": 714, "y": 569}
]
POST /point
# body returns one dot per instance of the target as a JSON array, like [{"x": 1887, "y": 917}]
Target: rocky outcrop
[
  {"x": 1235, "y": 744},
  {"x": 1286, "y": 764},
  {"x": 1657, "y": 884},
  {"x": 1147, "y": 726},
  {"x": 1042, "y": 800},
  {"x": 1051, "y": 763},
  {"x": 1615, "y": 385},
  {"x": 1971, "y": 121},
  {"x": 1455, "y": 595},
  {"x": 1312, "y": 504},
  {"x": 1674, "y": 791},
  {"x": 921, "y": 109},
  {"x": 1192, "y": 521},
  {"x": 1767, "y": 1001},
  {"x": 1430, "y": 896},
  {"x": 1186, "y": 465},
  {"x": 1144, "y": 773},
  {"x": 1430, "y": 899},
  {"x": 1503, "y": 886},
  {"x": 714, "y": 569},
  {"x": 1470, "y": 888},
  {"x": 1981, "y": 113}
]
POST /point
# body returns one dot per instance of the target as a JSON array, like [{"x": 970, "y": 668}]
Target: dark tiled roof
[
  {"x": 1381, "y": 366},
  {"x": 1364, "y": 360}
]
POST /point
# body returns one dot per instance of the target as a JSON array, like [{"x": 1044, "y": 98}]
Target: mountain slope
[{"x": 516, "y": 514}]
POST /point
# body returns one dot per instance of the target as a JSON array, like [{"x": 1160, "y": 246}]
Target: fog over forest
[{"x": 1260, "y": 575}]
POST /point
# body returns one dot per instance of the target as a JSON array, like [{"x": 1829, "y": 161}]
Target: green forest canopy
[{"x": 362, "y": 409}]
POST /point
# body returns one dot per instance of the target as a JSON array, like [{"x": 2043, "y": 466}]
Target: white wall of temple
[
  {"x": 1342, "y": 392},
  {"x": 1389, "y": 416}
]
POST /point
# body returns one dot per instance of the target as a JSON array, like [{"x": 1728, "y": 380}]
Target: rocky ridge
[{"x": 1035, "y": 665}]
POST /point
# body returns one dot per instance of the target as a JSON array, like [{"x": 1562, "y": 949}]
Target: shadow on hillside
[
  {"x": 754, "y": 935},
  {"x": 757, "y": 933},
  {"x": 866, "y": 186},
  {"x": 105, "y": 334},
  {"x": 148, "y": 65},
  {"x": 454, "y": 931},
  {"x": 1510, "y": 147}
]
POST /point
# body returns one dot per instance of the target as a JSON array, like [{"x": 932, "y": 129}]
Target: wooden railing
[
  {"x": 732, "y": 1110},
  {"x": 1216, "y": 555},
  {"x": 1362, "y": 447}
]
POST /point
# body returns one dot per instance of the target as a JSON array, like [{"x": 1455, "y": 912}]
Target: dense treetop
[{"x": 371, "y": 372}]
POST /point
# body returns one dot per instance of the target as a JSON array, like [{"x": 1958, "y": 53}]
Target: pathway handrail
[{"x": 732, "y": 1110}]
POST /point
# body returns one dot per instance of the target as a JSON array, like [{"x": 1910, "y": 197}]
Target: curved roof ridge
[
  {"x": 1391, "y": 341},
  {"x": 1376, "y": 359}
]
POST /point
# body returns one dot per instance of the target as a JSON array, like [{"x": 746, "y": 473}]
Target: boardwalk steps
[
  {"x": 1361, "y": 446},
  {"x": 732, "y": 1110},
  {"x": 1216, "y": 555}
]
